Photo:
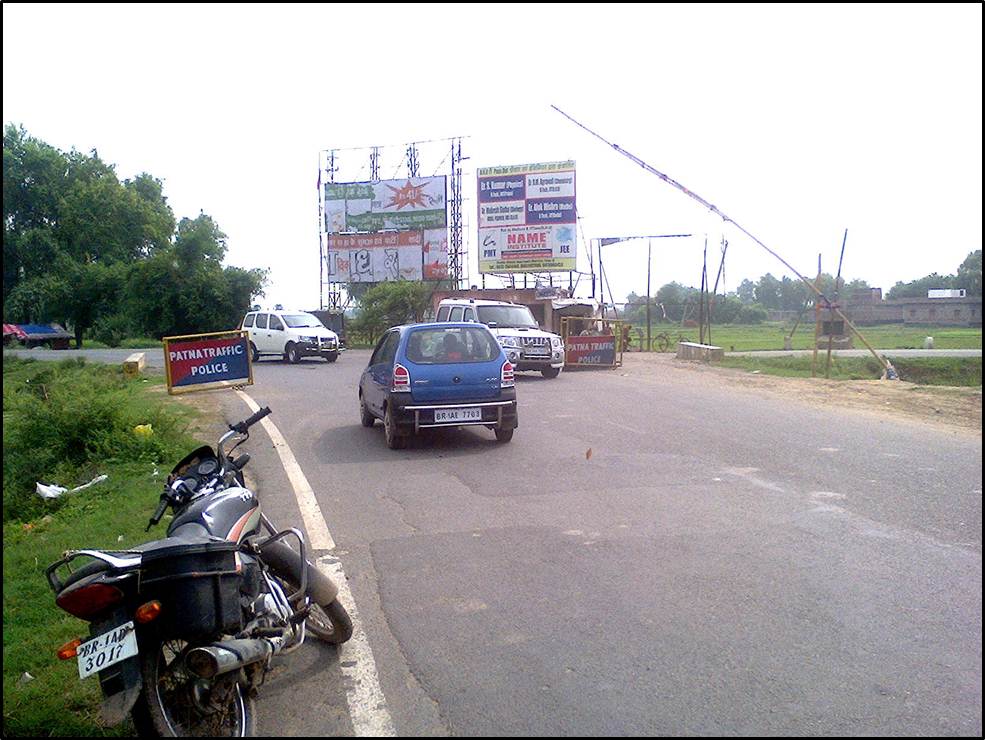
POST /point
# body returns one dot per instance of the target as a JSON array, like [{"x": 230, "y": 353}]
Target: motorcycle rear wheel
[{"x": 175, "y": 703}]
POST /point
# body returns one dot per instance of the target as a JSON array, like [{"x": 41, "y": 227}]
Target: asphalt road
[{"x": 648, "y": 556}]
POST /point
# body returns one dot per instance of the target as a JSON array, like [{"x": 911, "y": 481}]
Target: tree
[
  {"x": 969, "y": 274},
  {"x": 391, "y": 304}
]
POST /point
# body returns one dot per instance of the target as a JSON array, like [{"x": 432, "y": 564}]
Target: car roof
[{"x": 441, "y": 325}]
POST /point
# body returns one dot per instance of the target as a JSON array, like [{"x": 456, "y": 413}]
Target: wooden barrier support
[{"x": 134, "y": 364}]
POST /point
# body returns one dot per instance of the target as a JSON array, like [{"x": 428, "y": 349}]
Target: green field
[
  {"x": 770, "y": 336},
  {"x": 951, "y": 371}
]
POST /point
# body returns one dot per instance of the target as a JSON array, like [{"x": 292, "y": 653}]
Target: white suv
[
  {"x": 526, "y": 346},
  {"x": 290, "y": 334}
]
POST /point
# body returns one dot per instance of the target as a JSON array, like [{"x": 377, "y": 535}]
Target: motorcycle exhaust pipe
[{"x": 213, "y": 660}]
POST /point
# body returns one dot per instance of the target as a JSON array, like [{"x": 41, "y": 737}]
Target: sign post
[{"x": 200, "y": 362}]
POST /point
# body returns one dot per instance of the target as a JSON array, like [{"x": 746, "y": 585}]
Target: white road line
[
  {"x": 367, "y": 705},
  {"x": 314, "y": 523}
]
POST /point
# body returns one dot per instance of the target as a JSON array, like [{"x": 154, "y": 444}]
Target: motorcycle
[{"x": 182, "y": 630}]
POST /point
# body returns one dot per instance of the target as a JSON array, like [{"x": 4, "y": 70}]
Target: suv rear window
[{"x": 439, "y": 346}]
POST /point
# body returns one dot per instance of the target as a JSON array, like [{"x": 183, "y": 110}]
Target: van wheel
[
  {"x": 292, "y": 353},
  {"x": 550, "y": 372}
]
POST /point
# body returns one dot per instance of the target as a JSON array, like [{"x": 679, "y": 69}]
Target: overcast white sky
[{"x": 798, "y": 121}]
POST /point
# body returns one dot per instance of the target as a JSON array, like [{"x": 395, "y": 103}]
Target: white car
[
  {"x": 291, "y": 335},
  {"x": 526, "y": 345}
]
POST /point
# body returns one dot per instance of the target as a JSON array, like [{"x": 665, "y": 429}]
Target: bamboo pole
[{"x": 714, "y": 209}]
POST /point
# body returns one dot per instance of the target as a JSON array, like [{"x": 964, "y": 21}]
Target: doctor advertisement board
[
  {"x": 527, "y": 218},
  {"x": 205, "y": 361}
]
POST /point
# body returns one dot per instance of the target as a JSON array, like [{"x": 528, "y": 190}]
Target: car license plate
[
  {"x": 457, "y": 416},
  {"x": 107, "y": 649}
]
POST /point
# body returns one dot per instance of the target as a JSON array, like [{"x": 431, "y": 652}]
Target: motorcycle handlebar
[
  {"x": 242, "y": 426},
  {"x": 161, "y": 508}
]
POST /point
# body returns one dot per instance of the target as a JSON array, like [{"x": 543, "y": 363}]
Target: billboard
[
  {"x": 382, "y": 257},
  {"x": 413, "y": 203},
  {"x": 527, "y": 218}
]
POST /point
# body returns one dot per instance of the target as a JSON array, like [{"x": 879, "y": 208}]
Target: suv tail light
[
  {"x": 506, "y": 376},
  {"x": 401, "y": 379}
]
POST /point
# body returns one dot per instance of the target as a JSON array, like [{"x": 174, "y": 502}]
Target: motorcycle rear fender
[
  {"x": 286, "y": 562},
  {"x": 120, "y": 683}
]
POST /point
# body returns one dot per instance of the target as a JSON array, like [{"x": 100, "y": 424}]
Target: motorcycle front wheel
[
  {"x": 175, "y": 703},
  {"x": 329, "y": 622}
]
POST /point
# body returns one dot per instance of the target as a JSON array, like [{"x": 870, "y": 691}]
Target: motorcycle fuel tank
[{"x": 231, "y": 514}]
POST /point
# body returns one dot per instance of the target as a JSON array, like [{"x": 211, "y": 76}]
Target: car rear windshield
[
  {"x": 443, "y": 346},
  {"x": 301, "y": 320},
  {"x": 507, "y": 316}
]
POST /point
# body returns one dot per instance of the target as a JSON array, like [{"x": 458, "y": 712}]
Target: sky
[{"x": 797, "y": 121}]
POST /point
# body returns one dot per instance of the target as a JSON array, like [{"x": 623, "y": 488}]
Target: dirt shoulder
[{"x": 943, "y": 407}]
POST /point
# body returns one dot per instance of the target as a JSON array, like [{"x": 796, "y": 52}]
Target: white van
[{"x": 290, "y": 335}]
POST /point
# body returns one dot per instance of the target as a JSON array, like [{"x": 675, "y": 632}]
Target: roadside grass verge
[
  {"x": 952, "y": 371},
  {"x": 72, "y": 421}
]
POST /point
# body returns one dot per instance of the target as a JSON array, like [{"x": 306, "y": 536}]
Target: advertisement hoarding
[
  {"x": 411, "y": 203},
  {"x": 382, "y": 257},
  {"x": 527, "y": 218}
]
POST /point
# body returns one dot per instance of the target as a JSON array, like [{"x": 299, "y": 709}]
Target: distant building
[{"x": 863, "y": 309}]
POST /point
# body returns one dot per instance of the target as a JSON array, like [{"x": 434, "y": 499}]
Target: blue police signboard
[{"x": 206, "y": 361}]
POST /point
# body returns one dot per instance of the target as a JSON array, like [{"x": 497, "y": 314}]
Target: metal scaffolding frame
[{"x": 333, "y": 295}]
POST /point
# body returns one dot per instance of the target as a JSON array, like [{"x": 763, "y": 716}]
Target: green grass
[
  {"x": 951, "y": 371},
  {"x": 770, "y": 336},
  {"x": 66, "y": 399}
]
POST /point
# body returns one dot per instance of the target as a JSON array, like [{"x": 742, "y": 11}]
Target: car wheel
[
  {"x": 332, "y": 357},
  {"x": 393, "y": 440},
  {"x": 292, "y": 353},
  {"x": 365, "y": 416},
  {"x": 550, "y": 372},
  {"x": 504, "y": 435},
  {"x": 254, "y": 353}
]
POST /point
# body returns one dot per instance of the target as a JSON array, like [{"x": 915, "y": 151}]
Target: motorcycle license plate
[
  {"x": 457, "y": 416},
  {"x": 107, "y": 649}
]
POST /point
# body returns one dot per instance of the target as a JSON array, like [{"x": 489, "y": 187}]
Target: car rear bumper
[{"x": 411, "y": 417}]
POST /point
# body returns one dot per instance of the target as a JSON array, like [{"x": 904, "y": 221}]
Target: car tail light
[
  {"x": 506, "y": 376},
  {"x": 401, "y": 379},
  {"x": 88, "y": 601}
]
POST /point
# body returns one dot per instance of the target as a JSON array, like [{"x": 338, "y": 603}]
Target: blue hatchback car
[{"x": 438, "y": 375}]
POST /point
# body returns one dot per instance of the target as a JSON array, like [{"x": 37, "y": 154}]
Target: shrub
[{"x": 65, "y": 422}]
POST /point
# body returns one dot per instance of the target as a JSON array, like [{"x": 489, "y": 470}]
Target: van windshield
[
  {"x": 511, "y": 316},
  {"x": 302, "y": 321}
]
